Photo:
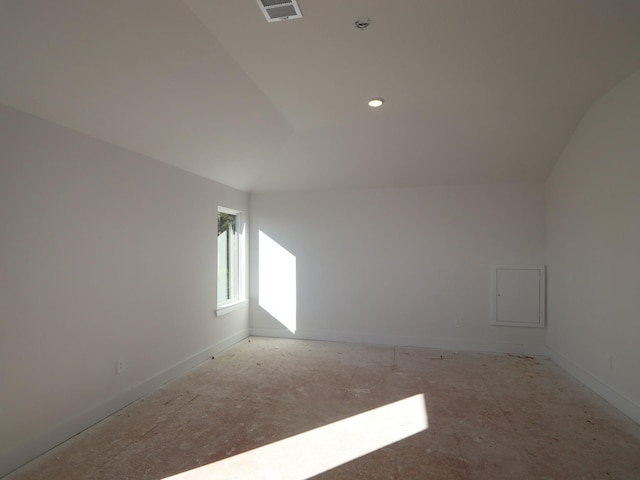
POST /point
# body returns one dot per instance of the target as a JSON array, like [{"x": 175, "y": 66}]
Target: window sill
[{"x": 231, "y": 307}]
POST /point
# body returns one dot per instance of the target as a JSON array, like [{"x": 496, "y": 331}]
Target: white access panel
[{"x": 518, "y": 295}]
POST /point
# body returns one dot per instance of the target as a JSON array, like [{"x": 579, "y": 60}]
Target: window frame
[{"x": 240, "y": 299}]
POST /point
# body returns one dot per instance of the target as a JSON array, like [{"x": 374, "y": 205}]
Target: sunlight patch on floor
[{"x": 315, "y": 451}]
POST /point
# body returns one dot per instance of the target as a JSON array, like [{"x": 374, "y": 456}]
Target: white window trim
[
  {"x": 242, "y": 300},
  {"x": 231, "y": 307}
]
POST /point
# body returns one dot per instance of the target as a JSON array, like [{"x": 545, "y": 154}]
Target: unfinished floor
[{"x": 489, "y": 416}]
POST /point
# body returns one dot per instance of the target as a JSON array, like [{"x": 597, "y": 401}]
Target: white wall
[
  {"x": 104, "y": 254},
  {"x": 398, "y": 266},
  {"x": 593, "y": 245}
]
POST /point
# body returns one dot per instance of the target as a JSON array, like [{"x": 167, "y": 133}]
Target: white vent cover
[{"x": 276, "y": 10}]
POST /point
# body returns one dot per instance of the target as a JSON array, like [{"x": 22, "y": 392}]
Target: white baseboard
[
  {"x": 396, "y": 340},
  {"x": 618, "y": 400},
  {"x": 65, "y": 430}
]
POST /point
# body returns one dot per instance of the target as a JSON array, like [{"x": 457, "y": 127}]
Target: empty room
[{"x": 276, "y": 239}]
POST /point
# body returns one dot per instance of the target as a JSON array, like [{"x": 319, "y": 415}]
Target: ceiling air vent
[{"x": 276, "y": 10}]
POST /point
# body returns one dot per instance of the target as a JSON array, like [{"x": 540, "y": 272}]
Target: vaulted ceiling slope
[
  {"x": 477, "y": 91},
  {"x": 143, "y": 74}
]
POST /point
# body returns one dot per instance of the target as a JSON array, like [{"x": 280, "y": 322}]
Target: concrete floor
[{"x": 489, "y": 417}]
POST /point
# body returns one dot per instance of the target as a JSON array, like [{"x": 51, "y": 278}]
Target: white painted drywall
[
  {"x": 104, "y": 254},
  {"x": 399, "y": 266},
  {"x": 593, "y": 245}
]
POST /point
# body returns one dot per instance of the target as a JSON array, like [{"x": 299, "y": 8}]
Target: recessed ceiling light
[{"x": 376, "y": 102}]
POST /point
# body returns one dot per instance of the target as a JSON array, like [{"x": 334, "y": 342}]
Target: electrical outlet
[
  {"x": 459, "y": 322},
  {"x": 121, "y": 366}
]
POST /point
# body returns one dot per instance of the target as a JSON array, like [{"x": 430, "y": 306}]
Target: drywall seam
[
  {"x": 71, "y": 427},
  {"x": 618, "y": 400},
  {"x": 414, "y": 341}
]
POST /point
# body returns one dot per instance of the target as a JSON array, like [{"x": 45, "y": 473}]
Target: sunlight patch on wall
[
  {"x": 277, "y": 281},
  {"x": 311, "y": 453}
]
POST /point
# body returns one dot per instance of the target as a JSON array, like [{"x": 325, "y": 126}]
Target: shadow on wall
[{"x": 277, "y": 281}]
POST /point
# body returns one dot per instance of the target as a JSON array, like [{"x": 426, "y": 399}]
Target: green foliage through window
[
  {"x": 228, "y": 258},
  {"x": 226, "y": 221}
]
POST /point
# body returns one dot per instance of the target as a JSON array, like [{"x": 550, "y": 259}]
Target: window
[{"x": 231, "y": 264}]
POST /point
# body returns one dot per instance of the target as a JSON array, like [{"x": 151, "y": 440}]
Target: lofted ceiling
[{"x": 476, "y": 91}]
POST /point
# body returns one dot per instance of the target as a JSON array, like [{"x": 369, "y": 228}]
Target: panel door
[{"x": 518, "y": 296}]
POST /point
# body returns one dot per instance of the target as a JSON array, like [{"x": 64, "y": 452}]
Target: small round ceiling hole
[{"x": 363, "y": 23}]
